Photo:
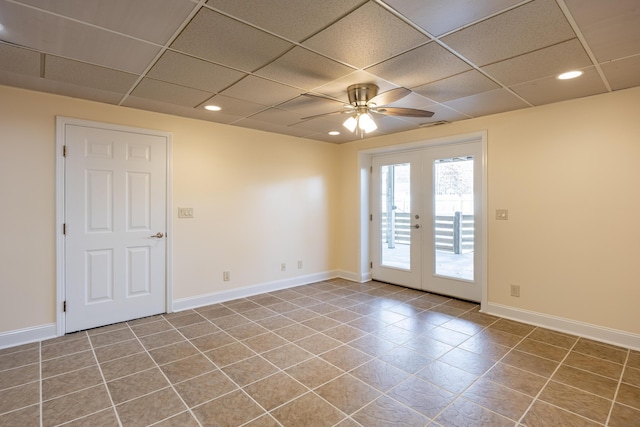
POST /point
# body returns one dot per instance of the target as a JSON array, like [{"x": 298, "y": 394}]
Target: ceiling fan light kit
[
  {"x": 360, "y": 122},
  {"x": 364, "y": 100}
]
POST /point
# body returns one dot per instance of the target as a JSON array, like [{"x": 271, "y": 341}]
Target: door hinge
[
  {"x": 370, "y": 217},
  {"x": 64, "y": 306},
  {"x": 371, "y": 169},
  {"x": 64, "y": 229},
  {"x": 64, "y": 151},
  {"x": 371, "y": 265}
]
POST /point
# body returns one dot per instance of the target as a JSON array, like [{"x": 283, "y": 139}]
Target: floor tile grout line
[
  {"x": 572, "y": 413},
  {"x": 615, "y": 394},
  {"x": 413, "y": 374},
  {"x": 460, "y": 394},
  {"x": 40, "y": 387},
  {"x": 165, "y": 377},
  {"x": 83, "y": 389},
  {"x": 537, "y": 396},
  {"x": 104, "y": 382},
  {"x": 309, "y": 390},
  {"x": 410, "y": 375},
  {"x": 13, "y": 354},
  {"x": 396, "y": 301},
  {"x": 171, "y": 416},
  {"x": 20, "y": 385},
  {"x": 19, "y": 367},
  {"x": 239, "y": 388}
]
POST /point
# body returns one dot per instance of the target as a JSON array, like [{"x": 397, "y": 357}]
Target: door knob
[
  {"x": 416, "y": 226},
  {"x": 158, "y": 235}
]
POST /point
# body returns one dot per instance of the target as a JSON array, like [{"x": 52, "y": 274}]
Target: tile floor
[{"x": 333, "y": 353}]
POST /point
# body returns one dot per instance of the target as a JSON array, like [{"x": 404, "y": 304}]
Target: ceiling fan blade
[
  {"x": 408, "y": 112},
  {"x": 390, "y": 96},
  {"x": 304, "y": 119}
]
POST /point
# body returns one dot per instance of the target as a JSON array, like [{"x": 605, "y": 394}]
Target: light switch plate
[
  {"x": 185, "y": 212},
  {"x": 502, "y": 214}
]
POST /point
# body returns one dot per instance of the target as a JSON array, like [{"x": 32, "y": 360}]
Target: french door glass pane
[
  {"x": 453, "y": 219},
  {"x": 395, "y": 207}
]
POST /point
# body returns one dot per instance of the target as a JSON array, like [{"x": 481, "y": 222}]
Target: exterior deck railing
[{"x": 454, "y": 233}]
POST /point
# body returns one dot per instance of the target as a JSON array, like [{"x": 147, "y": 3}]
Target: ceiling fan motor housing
[{"x": 359, "y": 94}]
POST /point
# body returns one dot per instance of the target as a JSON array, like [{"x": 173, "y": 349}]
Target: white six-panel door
[{"x": 115, "y": 220}]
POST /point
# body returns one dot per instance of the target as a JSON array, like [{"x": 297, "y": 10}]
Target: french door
[{"x": 426, "y": 216}]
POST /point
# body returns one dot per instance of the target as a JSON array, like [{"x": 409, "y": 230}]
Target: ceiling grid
[{"x": 261, "y": 60}]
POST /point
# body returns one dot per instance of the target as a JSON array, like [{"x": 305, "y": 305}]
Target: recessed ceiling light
[
  {"x": 212, "y": 108},
  {"x": 334, "y": 133},
  {"x": 570, "y": 75}
]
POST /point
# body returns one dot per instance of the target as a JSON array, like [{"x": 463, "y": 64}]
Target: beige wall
[
  {"x": 259, "y": 199},
  {"x": 568, "y": 174}
]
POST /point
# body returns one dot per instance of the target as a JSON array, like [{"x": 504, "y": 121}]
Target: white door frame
[
  {"x": 364, "y": 165},
  {"x": 61, "y": 123}
]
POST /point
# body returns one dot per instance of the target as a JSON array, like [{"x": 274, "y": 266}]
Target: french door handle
[
  {"x": 158, "y": 235},
  {"x": 416, "y": 226}
]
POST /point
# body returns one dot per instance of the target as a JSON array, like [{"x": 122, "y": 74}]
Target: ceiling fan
[{"x": 364, "y": 100}]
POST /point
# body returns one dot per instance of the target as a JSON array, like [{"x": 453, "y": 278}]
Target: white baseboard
[
  {"x": 354, "y": 277},
  {"x": 247, "y": 291},
  {"x": 561, "y": 324},
  {"x": 44, "y": 332},
  {"x": 27, "y": 335}
]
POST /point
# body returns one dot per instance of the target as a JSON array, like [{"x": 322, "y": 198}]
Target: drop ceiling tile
[
  {"x": 304, "y": 69},
  {"x": 459, "y": 86},
  {"x": 307, "y": 106},
  {"x": 59, "y": 88},
  {"x": 611, "y": 28},
  {"x": 235, "y": 107},
  {"x": 174, "y": 67},
  {"x": 272, "y": 127},
  {"x": 413, "y": 100},
  {"x": 71, "y": 39},
  {"x": 420, "y": 66},
  {"x": 550, "y": 61},
  {"x": 19, "y": 60},
  {"x": 550, "y": 89},
  {"x": 624, "y": 73},
  {"x": 223, "y": 40},
  {"x": 277, "y": 116},
  {"x": 87, "y": 75},
  {"x": 388, "y": 124},
  {"x": 483, "y": 104},
  {"x": 532, "y": 26},
  {"x": 294, "y": 20},
  {"x": 333, "y": 139},
  {"x": 261, "y": 91},
  {"x": 177, "y": 110},
  {"x": 441, "y": 16},
  {"x": 152, "y": 20},
  {"x": 366, "y": 36},
  {"x": 170, "y": 93}
]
